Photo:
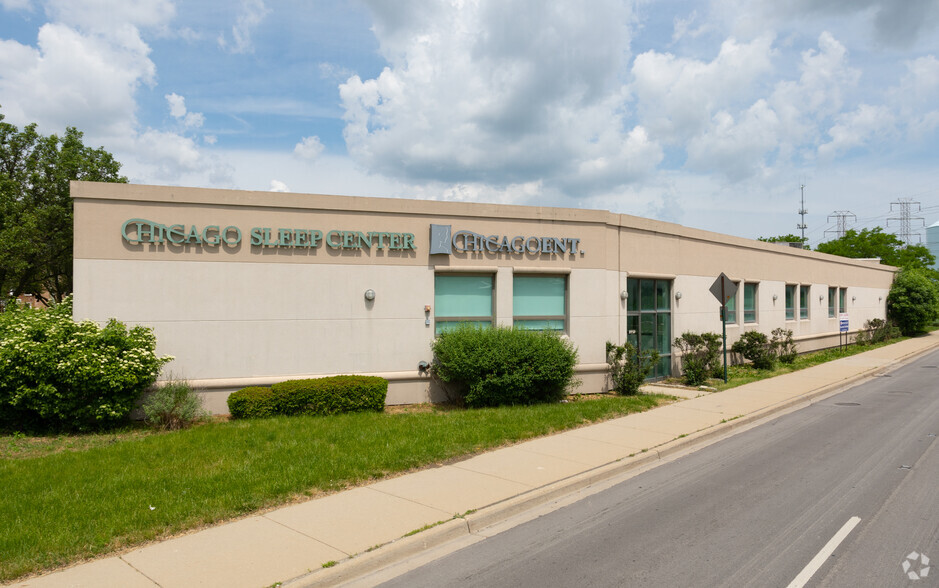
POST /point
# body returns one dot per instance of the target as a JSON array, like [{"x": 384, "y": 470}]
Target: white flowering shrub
[{"x": 59, "y": 374}]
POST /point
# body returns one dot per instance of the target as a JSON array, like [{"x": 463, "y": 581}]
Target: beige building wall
[{"x": 242, "y": 315}]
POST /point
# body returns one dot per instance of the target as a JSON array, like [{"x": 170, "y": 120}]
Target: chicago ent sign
[{"x": 444, "y": 241}]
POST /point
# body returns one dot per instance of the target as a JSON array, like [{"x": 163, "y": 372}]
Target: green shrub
[
  {"x": 876, "y": 331},
  {"x": 504, "y": 366},
  {"x": 783, "y": 345},
  {"x": 172, "y": 406},
  {"x": 700, "y": 357},
  {"x": 56, "y": 374},
  {"x": 333, "y": 395},
  {"x": 253, "y": 402},
  {"x": 913, "y": 301},
  {"x": 757, "y": 348},
  {"x": 628, "y": 367},
  {"x": 318, "y": 396}
]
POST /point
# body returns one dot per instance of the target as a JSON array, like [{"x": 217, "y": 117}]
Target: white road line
[{"x": 808, "y": 571}]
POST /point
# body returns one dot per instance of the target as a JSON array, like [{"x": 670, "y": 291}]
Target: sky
[{"x": 711, "y": 114}]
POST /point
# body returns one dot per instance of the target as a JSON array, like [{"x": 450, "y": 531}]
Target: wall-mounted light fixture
[
  {"x": 623, "y": 295},
  {"x": 677, "y": 295},
  {"x": 775, "y": 297},
  {"x": 853, "y": 298},
  {"x": 370, "y": 294},
  {"x": 880, "y": 299},
  {"x": 821, "y": 297}
]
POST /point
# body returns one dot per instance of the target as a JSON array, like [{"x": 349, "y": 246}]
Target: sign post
[
  {"x": 842, "y": 328},
  {"x": 724, "y": 289}
]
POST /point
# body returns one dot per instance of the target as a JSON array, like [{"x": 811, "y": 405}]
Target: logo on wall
[{"x": 444, "y": 241}]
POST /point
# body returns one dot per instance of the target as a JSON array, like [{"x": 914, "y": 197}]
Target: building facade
[{"x": 251, "y": 288}]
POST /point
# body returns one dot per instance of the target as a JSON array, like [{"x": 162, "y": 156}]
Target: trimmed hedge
[
  {"x": 320, "y": 396},
  {"x": 501, "y": 365}
]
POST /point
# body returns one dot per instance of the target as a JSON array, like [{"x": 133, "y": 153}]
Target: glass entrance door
[{"x": 649, "y": 319}]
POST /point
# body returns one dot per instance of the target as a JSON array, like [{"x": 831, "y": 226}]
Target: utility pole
[
  {"x": 905, "y": 206},
  {"x": 841, "y": 216},
  {"x": 802, "y": 212}
]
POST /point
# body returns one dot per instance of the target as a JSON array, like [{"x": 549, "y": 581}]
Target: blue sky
[{"x": 708, "y": 114}]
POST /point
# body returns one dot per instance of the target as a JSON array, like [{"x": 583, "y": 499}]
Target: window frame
[
  {"x": 455, "y": 320},
  {"x": 519, "y": 320},
  {"x": 805, "y": 301},
  {"x": 832, "y": 302},
  {"x": 791, "y": 302},
  {"x": 750, "y": 314},
  {"x": 731, "y": 313}
]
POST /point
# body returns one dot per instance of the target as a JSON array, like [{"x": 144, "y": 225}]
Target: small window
[
  {"x": 749, "y": 303},
  {"x": 790, "y": 303},
  {"x": 731, "y": 309},
  {"x": 539, "y": 303},
  {"x": 843, "y": 300},
  {"x": 832, "y": 298},
  {"x": 462, "y": 298},
  {"x": 804, "y": 292}
]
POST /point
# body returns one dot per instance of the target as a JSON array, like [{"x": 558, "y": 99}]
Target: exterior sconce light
[
  {"x": 370, "y": 294},
  {"x": 880, "y": 299},
  {"x": 775, "y": 297},
  {"x": 853, "y": 298},
  {"x": 623, "y": 295},
  {"x": 677, "y": 295},
  {"x": 821, "y": 297}
]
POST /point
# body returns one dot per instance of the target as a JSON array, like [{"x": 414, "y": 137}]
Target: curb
[{"x": 360, "y": 565}]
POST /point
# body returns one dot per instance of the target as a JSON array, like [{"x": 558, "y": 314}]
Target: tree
[
  {"x": 869, "y": 243},
  {"x": 913, "y": 302},
  {"x": 36, "y": 209},
  {"x": 790, "y": 238}
]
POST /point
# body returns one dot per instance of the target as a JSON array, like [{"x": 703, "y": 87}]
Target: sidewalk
[{"x": 293, "y": 543}]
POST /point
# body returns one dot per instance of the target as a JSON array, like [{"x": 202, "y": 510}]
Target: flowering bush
[{"x": 59, "y": 374}]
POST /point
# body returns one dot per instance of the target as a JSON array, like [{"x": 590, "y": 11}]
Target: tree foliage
[
  {"x": 36, "y": 208},
  {"x": 870, "y": 243},
  {"x": 913, "y": 302},
  {"x": 790, "y": 238}
]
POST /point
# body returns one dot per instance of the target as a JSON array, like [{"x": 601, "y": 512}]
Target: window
[
  {"x": 539, "y": 303},
  {"x": 649, "y": 320},
  {"x": 462, "y": 298},
  {"x": 832, "y": 297},
  {"x": 731, "y": 309},
  {"x": 804, "y": 302},
  {"x": 790, "y": 303},
  {"x": 843, "y": 299},
  {"x": 749, "y": 303}
]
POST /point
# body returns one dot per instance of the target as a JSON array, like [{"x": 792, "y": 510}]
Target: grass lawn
[
  {"x": 738, "y": 375},
  {"x": 71, "y": 497}
]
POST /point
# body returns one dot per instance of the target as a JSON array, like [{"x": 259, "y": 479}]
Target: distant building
[{"x": 932, "y": 242}]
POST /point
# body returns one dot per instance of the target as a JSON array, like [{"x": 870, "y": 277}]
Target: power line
[
  {"x": 905, "y": 218},
  {"x": 841, "y": 218}
]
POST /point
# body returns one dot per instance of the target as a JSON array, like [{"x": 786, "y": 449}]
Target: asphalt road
[{"x": 753, "y": 510}]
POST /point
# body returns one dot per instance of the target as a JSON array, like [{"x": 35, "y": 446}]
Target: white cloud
[
  {"x": 102, "y": 16},
  {"x": 736, "y": 149},
  {"x": 76, "y": 79},
  {"x": 278, "y": 186},
  {"x": 250, "y": 16},
  {"x": 16, "y": 4},
  {"x": 858, "y": 128},
  {"x": 678, "y": 96},
  {"x": 505, "y": 93},
  {"x": 309, "y": 148},
  {"x": 177, "y": 104}
]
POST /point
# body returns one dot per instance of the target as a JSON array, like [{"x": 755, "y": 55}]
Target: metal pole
[{"x": 724, "y": 327}]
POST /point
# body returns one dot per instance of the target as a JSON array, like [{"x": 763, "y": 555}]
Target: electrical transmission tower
[
  {"x": 841, "y": 218},
  {"x": 905, "y": 206},
  {"x": 802, "y": 212}
]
